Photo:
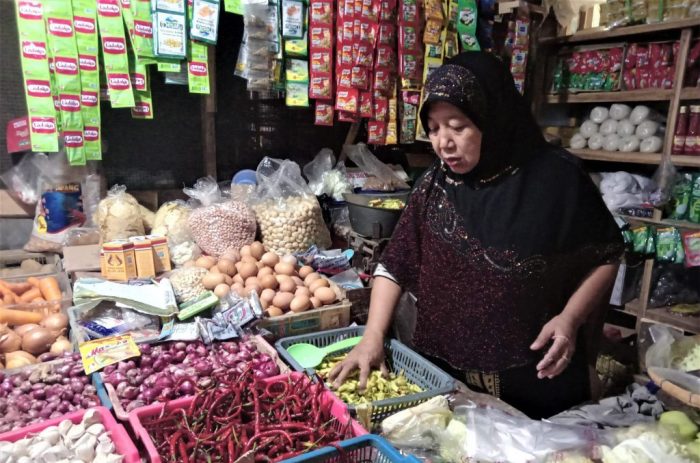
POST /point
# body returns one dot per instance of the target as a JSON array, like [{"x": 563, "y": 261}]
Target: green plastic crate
[{"x": 399, "y": 357}]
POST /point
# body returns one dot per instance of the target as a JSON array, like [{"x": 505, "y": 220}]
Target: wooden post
[
  {"x": 349, "y": 139},
  {"x": 208, "y": 118}
]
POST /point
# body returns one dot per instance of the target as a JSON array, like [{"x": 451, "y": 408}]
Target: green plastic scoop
[{"x": 310, "y": 356}]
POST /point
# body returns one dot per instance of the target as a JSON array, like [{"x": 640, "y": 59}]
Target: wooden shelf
[
  {"x": 664, "y": 222},
  {"x": 690, "y": 93},
  {"x": 654, "y": 94},
  {"x": 662, "y": 315},
  {"x": 633, "y": 307},
  {"x": 633, "y": 158},
  {"x": 601, "y": 34}
]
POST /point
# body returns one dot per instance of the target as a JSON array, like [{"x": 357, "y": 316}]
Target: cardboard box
[
  {"x": 324, "y": 318},
  {"x": 119, "y": 261}
]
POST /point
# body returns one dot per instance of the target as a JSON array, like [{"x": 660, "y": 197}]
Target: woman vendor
[{"x": 505, "y": 243}]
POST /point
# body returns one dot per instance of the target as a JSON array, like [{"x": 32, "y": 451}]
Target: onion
[
  {"x": 56, "y": 323},
  {"x": 37, "y": 341},
  {"x": 186, "y": 388},
  {"x": 9, "y": 340},
  {"x": 23, "y": 329},
  {"x": 61, "y": 345},
  {"x": 145, "y": 350},
  {"x": 19, "y": 359}
]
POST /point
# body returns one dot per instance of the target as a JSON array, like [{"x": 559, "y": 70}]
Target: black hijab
[{"x": 482, "y": 87}]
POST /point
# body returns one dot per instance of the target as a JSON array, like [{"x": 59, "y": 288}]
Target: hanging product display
[
  {"x": 43, "y": 131},
  {"x": 114, "y": 54},
  {"x": 85, "y": 26},
  {"x": 205, "y": 21},
  {"x": 198, "y": 68},
  {"x": 143, "y": 107},
  {"x": 169, "y": 31}
]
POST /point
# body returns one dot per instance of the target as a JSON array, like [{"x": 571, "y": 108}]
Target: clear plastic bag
[
  {"x": 664, "y": 179},
  {"x": 289, "y": 214},
  {"x": 60, "y": 208},
  {"x": 119, "y": 215},
  {"x": 171, "y": 222},
  {"x": 21, "y": 180},
  {"x": 326, "y": 180},
  {"x": 368, "y": 162},
  {"x": 219, "y": 224},
  {"x": 82, "y": 237}
]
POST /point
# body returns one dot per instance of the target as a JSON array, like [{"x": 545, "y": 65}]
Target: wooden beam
[
  {"x": 208, "y": 118},
  {"x": 349, "y": 139},
  {"x": 602, "y": 34}
]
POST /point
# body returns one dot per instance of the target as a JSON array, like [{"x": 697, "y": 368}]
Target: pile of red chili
[{"x": 275, "y": 418}]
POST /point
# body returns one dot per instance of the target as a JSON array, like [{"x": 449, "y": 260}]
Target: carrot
[
  {"x": 8, "y": 296},
  {"x": 29, "y": 295},
  {"x": 19, "y": 317},
  {"x": 17, "y": 288},
  {"x": 33, "y": 281},
  {"x": 50, "y": 289},
  {"x": 38, "y": 299}
]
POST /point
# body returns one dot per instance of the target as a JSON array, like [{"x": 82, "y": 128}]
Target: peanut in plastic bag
[{"x": 288, "y": 213}]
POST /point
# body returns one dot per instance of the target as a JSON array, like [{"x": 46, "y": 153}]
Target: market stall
[{"x": 207, "y": 323}]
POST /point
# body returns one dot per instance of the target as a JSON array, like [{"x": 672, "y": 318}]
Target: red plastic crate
[
  {"x": 338, "y": 409},
  {"x": 122, "y": 442}
]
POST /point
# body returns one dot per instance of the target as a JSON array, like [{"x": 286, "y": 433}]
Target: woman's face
[{"x": 455, "y": 138}]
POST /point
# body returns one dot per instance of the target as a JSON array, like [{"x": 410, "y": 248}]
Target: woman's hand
[
  {"x": 367, "y": 354},
  {"x": 562, "y": 331}
]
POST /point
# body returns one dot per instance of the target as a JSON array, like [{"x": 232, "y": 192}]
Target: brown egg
[
  {"x": 268, "y": 281},
  {"x": 206, "y": 262},
  {"x": 252, "y": 281},
  {"x": 265, "y": 304},
  {"x": 247, "y": 270},
  {"x": 250, "y": 259},
  {"x": 228, "y": 280},
  {"x": 298, "y": 281},
  {"x": 318, "y": 283},
  {"x": 300, "y": 304},
  {"x": 214, "y": 269},
  {"x": 289, "y": 259},
  {"x": 211, "y": 280},
  {"x": 281, "y": 278},
  {"x": 267, "y": 294},
  {"x": 239, "y": 289},
  {"x": 282, "y": 300},
  {"x": 260, "y": 265},
  {"x": 287, "y": 286},
  {"x": 188, "y": 264},
  {"x": 305, "y": 270},
  {"x": 284, "y": 268},
  {"x": 231, "y": 254},
  {"x": 227, "y": 266},
  {"x": 270, "y": 259},
  {"x": 315, "y": 302},
  {"x": 273, "y": 311},
  {"x": 325, "y": 295},
  {"x": 253, "y": 288},
  {"x": 238, "y": 279},
  {"x": 257, "y": 249},
  {"x": 302, "y": 291},
  {"x": 222, "y": 290},
  {"x": 311, "y": 277},
  {"x": 265, "y": 271}
]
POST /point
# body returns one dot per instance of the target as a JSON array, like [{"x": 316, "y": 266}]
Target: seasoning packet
[
  {"x": 64, "y": 51},
  {"x": 680, "y": 196},
  {"x": 293, "y": 19},
  {"x": 297, "y": 47},
  {"x": 641, "y": 237},
  {"x": 666, "y": 244},
  {"x": 466, "y": 24},
  {"x": 205, "y": 21},
  {"x": 142, "y": 33},
  {"x": 34, "y": 56},
  {"x": 691, "y": 246},
  {"x": 165, "y": 65},
  {"x": 376, "y": 133},
  {"x": 321, "y": 13},
  {"x": 169, "y": 34},
  {"x": 198, "y": 68},
  {"x": 143, "y": 107},
  {"x": 321, "y": 87},
  {"x": 114, "y": 55},
  {"x": 297, "y": 70},
  {"x": 85, "y": 25},
  {"x": 297, "y": 94},
  {"x": 99, "y": 353},
  {"x": 323, "y": 113},
  {"x": 347, "y": 99}
]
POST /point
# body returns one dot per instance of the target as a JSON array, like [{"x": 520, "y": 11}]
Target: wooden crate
[{"x": 324, "y": 318}]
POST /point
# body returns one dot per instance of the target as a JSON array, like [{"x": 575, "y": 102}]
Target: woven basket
[{"x": 687, "y": 397}]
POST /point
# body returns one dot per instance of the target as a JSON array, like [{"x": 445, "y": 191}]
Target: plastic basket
[
  {"x": 11, "y": 261},
  {"x": 119, "y": 411},
  {"x": 139, "y": 415},
  {"x": 399, "y": 357},
  {"x": 122, "y": 442},
  {"x": 364, "y": 449}
]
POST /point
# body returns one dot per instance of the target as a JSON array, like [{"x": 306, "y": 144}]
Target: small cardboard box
[
  {"x": 81, "y": 258},
  {"x": 119, "y": 261}
]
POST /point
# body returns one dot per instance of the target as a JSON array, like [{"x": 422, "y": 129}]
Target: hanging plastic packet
[
  {"x": 641, "y": 236},
  {"x": 114, "y": 55},
  {"x": 466, "y": 25},
  {"x": 99, "y": 353},
  {"x": 680, "y": 253},
  {"x": 198, "y": 68},
  {"x": 64, "y": 51},
  {"x": 85, "y": 25},
  {"x": 43, "y": 130},
  {"x": 680, "y": 196},
  {"x": 205, "y": 21},
  {"x": 169, "y": 29},
  {"x": 293, "y": 14},
  {"x": 297, "y": 83},
  {"x": 165, "y": 65},
  {"x": 143, "y": 108},
  {"x": 666, "y": 239},
  {"x": 694, "y": 203},
  {"x": 142, "y": 33},
  {"x": 691, "y": 247}
]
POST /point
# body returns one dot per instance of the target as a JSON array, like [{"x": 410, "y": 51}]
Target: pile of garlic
[{"x": 88, "y": 441}]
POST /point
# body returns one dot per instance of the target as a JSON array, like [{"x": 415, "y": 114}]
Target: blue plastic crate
[
  {"x": 364, "y": 449},
  {"x": 399, "y": 357},
  {"x": 101, "y": 391}
]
